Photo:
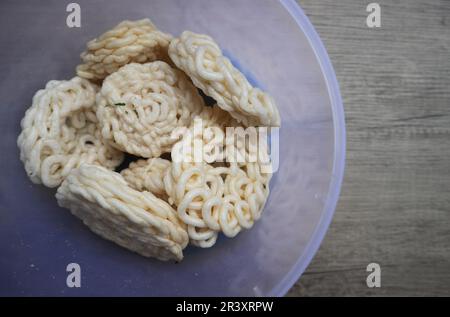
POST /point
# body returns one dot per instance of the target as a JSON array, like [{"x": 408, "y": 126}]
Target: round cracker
[
  {"x": 201, "y": 58},
  {"x": 213, "y": 197},
  {"x": 60, "y": 131},
  {"x": 128, "y": 42},
  {"x": 141, "y": 106},
  {"x": 148, "y": 175},
  {"x": 135, "y": 220}
]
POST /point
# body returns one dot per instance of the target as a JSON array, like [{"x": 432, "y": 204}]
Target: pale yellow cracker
[
  {"x": 128, "y": 42},
  {"x": 212, "y": 195},
  {"x": 147, "y": 175},
  {"x": 60, "y": 131},
  {"x": 135, "y": 220},
  {"x": 201, "y": 58},
  {"x": 141, "y": 106}
]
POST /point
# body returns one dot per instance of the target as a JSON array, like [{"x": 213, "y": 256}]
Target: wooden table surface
[{"x": 394, "y": 207}]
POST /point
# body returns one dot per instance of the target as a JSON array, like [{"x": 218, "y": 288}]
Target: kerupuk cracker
[
  {"x": 148, "y": 175},
  {"x": 140, "y": 106},
  {"x": 135, "y": 220},
  {"x": 214, "y": 193},
  {"x": 128, "y": 42},
  {"x": 60, "y": 131},
  {"x": 201, "y": 58}
]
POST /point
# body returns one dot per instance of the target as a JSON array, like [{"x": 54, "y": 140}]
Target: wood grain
[{"x": 395, "y": 204}]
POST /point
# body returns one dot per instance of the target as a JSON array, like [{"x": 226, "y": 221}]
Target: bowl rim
[{"x": 326, "y": 66}]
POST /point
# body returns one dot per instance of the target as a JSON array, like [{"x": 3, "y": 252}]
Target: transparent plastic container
[{"x": 271, "y": 40}]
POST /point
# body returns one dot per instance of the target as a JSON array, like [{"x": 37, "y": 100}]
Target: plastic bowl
[{"x": 272, "y": 40}]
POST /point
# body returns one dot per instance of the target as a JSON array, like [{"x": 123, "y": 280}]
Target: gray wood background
[{"x": 395, "y": 204}]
